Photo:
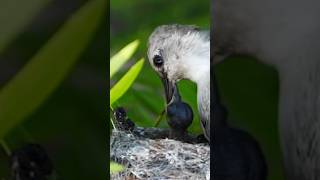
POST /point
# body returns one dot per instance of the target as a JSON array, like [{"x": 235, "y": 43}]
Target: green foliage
[
  {"x": 115, "y": 167},
  {"x": 125, "y": 82},
  {"x": 122, "y": 57},
  {"x": 48, "y": 68},
  {"x": 116, "y": 62}
]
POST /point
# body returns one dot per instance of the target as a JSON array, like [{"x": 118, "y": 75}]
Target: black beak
[{"x": 169, "y": 88}]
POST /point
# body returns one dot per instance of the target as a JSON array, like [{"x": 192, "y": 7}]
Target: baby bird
[{"x": 180, "y": 117}]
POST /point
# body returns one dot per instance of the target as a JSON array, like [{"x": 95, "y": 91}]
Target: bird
[
  {"x": 179, "y": 52},
  {"x": 283, "y": 34}
]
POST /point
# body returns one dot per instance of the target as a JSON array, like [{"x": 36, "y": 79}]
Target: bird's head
[{"x": 175, "y": 52}]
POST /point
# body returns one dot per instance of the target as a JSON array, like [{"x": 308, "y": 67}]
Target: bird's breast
[{"x": 204, "y": 107}]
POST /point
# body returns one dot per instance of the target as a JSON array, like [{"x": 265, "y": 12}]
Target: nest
[{"x": 146, "y": 158}]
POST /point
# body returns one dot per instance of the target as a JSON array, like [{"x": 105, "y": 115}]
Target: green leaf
[
  {"x": 115, "y": 167},
  {"x": 49, "y": 67},
  {"x": 16, "y": 15},
  {"x": 122, "y": 57},
  {"x": 125, "y": 82}
]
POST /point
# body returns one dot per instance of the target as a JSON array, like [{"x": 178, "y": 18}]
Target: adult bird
[
  {"x": 285, "y": 34},
  {"x": 183, "y": 52}
]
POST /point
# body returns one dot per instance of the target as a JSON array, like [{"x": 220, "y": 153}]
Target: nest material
[{"x": 146, "y": 158}]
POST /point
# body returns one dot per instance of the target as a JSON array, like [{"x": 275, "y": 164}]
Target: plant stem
[
  {"x": 114, "y": 127},
  {"x": 159, "y": 118},
  {"x": 5, "y": 147}
]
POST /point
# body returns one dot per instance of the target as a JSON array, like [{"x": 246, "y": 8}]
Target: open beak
[{"x": 169, "y": 89}]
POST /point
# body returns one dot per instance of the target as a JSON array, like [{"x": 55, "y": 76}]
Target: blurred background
[
  {"x": 249, "y": 89},
  {"x": 71, "y": 123}
]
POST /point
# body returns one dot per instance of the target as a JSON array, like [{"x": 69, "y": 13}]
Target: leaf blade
[
  {"x": 119, "y": 89},
  {"x": 119, "y": 59},
  {"x": 47, "y": 69}
]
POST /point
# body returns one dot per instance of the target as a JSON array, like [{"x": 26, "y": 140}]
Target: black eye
[{"x": 157, "y": 60}]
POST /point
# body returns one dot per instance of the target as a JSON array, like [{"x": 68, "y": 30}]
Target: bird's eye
[{"x": 158, "y": 60}]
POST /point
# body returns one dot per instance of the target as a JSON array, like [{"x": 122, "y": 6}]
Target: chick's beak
[{"x": 169, "y": 88}]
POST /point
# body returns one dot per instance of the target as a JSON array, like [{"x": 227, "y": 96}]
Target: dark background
[{"x": 71, "y": 123}]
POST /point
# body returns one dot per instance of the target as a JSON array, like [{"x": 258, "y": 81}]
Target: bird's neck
[
  {"x": 199, "y": 73},
  {"x": 203, "y": 96},
  {"x": 197, "y": 65},
  {"x": 197, "y": 69}
]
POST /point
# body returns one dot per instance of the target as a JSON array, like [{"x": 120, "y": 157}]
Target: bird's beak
[{"x": 169, "y": 88}]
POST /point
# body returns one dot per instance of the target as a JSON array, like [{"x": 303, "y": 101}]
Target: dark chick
[
  {"x": 122, "y": 121},
  {"x": 236, "y": 154},
  {"x": 31, "y": 162},
  {"x": 179, "y": 116}
]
